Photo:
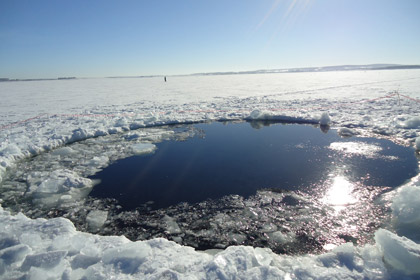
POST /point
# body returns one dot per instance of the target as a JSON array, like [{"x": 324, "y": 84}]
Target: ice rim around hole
[
  {"x": 59, "y": 187},
  {"x": 48, "y": 247}
]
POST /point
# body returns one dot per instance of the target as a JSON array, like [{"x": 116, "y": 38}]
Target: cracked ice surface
[{"x": 71, "y": 111}]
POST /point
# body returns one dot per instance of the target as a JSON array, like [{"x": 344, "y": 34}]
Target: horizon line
[{"x": 344, "y": 67}]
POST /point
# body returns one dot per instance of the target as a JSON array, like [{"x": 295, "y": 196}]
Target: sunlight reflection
[
  {"x": 340, "y": 193},
  {"x": 356, "y": 148}
]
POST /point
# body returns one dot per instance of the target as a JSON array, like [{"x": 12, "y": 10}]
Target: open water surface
[{"x": 241, "y": 158}]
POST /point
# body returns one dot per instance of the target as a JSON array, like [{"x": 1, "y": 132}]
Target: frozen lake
[{"x": 57, "y": 134}]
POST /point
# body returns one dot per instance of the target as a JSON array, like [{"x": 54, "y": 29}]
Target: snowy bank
[{"x": 42, "y": 249}]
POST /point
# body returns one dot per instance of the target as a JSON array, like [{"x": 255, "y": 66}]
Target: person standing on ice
[{"x": 164, "y": 79}]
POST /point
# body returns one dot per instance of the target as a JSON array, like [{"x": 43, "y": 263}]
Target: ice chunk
[
  {"x": 171, "y": 226},
  {"x": 7, "y": 241},
  {"x": 11, "y": 150},
  {"x": 346, "y": 132},
  {"x": 264, "y": 256},
  {"x": 100, "y": 161},
  {"x": 121, "y": 122},
  {"x": 344, "y": 255},
  {"x": 96, "y": 219},
  {"x": 64, "y": 151},
  {"x": 50, "y": 185},
  {"x": 128, "y": 257},
  {"x": 60, "y": 181},
  {"x": 79, "y": 134},
  {"x": 65, "y": 197},
  {"x": 136, "y": 124},
  {"x": 281, "y": 237},
  {"x": 131, "y": 136},
  {"x": 405, "y": 209},
  {"x": 400, "y": 253},
  {"x": 237, "y": 262},
  {"x": 413, "y": 122},
  {"x": 83, "y": 261},
  {"x": 14, "y": 253},
  {"x": 44, "y": 260},
  {"x": 259, "y": 115},
  {"x": 255, "y": 114},
  {"x": 31, "y": 239},
  {"x": 325, "y": 119},
  {"x": 143, "y": 148}
]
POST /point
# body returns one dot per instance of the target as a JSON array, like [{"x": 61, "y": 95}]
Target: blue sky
[{"x": 51, "y": 38}]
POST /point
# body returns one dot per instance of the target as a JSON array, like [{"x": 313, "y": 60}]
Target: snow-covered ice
[
  {"x": 325, "y": 119},
  {"x": 418, "y": 144},
  {"x": 42, "y": 116},
  {"x": 142, "y": 148}
]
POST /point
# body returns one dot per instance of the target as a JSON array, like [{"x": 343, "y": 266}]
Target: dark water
[{"x": 240, "y": 159}]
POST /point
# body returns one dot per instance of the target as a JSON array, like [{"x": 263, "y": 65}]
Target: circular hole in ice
[
  {"x": 292, "y": 188},
  {"x": 237, "y": 159}
]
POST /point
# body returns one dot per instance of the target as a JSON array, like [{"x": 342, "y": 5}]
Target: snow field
[{"x": 42, "y": 249}]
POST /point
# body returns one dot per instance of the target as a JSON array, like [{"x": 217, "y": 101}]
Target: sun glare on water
[{"x": 340, "y": 193}]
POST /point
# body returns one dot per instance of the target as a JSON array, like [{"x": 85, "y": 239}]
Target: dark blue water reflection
[{"x": 239, "y": 159}]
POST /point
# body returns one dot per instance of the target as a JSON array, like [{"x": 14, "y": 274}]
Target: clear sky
[{"x": 96, "y": 38}]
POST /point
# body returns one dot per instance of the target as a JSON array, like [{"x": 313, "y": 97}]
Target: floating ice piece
[
  {"x": 143, "y": 148},
  {"x": 101, "y": 161},
  {"x": 346, "y": 132},
  {"x": 171, "y": 226},
  {"x": 325, "y": 119},
  {"x": 60, "y": 181},
  {"x": 96, "y": 219},
  {"x": 400, "y": 253},
  {"x": 281, "y": 237}
]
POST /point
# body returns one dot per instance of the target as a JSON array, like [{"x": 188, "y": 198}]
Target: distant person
[{"x": 164, "y": 78}]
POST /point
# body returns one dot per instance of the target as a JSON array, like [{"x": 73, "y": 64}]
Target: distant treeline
[
  {"x": 27, "y": 80},
  {"x": 319, "y": 69}
]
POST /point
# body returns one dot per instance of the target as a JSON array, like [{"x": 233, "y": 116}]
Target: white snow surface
[
  {"x": 325, "y": 119},
  {"x": 40, "y": 116}
]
